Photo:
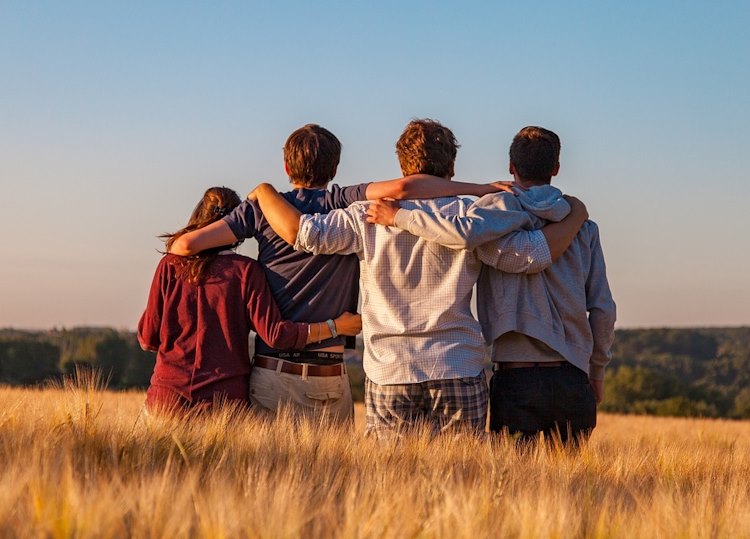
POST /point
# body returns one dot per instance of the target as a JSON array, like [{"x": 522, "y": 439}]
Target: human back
[
  {"x": 199, "y": 313},
  {"x": 417, "y": 302},
  {"x": 305, "y": 286},
  {"x": 550, "y": 306}
]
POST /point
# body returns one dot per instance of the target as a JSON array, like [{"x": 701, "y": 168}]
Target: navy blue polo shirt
[{"x": 307, "y": 288}]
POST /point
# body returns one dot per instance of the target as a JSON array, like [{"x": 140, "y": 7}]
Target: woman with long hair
[{"x": 199, "y": 313}]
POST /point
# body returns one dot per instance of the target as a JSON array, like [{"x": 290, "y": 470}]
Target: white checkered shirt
[{"x": 416, "y": 294}]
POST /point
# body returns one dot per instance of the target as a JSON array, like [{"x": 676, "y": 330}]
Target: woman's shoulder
[{"x": 238, "y": 262}]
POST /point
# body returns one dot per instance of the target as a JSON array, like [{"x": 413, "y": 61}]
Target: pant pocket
[{"x": 326, "y": 396}]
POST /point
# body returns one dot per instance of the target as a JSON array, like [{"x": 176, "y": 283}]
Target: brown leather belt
[
  {"x": 529, "y": 364},
  {"x": 298, "y": 368}
]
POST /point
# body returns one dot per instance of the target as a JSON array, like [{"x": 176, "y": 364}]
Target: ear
[
  {"x": 556, "y": 169},
  {"x": 286, "y": 169},
  {"x": 511, "y": 169}
]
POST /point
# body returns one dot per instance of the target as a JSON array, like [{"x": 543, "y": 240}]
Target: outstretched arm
[
  {"x": 214, "y": 235},
  {"x": 482, "y": 224},
  {"x": 427, "y": 186},
  {"x": 485, "y": 220},
  {"x": 332, "y": 233},
  {"x": 282, "y": 216}
]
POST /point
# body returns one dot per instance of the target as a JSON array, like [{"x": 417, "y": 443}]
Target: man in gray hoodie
[{"x": 552, "y": 331}]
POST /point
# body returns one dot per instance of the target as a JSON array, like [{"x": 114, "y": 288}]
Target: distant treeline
[
  {"x": 35, "y": 357},
  {"x": 680, "y": 372},
  {"x": 675, "y": 372}
]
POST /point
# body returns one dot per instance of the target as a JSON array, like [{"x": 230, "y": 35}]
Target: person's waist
[
  {"x": 338, "y": 343},
  {"x": 311, "y": 357},
  {"x": 300, "y": 369},
  {"x": 499, "y": 365}
]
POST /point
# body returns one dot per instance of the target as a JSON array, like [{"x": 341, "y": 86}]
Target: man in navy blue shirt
[{"x": 311, "y": 288}]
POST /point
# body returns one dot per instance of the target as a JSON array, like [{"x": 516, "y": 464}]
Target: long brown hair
[{"x": 215, "y": 204}]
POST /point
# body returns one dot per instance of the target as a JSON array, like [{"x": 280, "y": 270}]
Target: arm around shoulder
[
  {"x": 560, "y": 235},
  {"x": 214, "y": 235}
]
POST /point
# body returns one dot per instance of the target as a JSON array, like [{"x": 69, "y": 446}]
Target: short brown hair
[
  {"x": 535, "y": 152},
  {"x": 311, "y": 155},
  {"x": 427, "y": 147}
]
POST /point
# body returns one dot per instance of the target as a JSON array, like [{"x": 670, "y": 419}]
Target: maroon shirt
[{"x": 200, "y": 331}]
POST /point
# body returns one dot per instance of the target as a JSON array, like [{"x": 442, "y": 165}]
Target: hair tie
[{"x": 220, "y": 210}]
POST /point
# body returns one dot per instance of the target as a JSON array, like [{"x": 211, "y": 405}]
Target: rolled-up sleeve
[{"x": 337, "y": 232}]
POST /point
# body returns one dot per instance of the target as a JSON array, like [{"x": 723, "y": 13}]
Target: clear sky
[{"x": 115, "y": 116}]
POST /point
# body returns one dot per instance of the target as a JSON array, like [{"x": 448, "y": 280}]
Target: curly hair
[{"x": 427, "y": 147}]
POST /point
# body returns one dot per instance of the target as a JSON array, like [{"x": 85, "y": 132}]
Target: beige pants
[{"x": 314, "y": 397}]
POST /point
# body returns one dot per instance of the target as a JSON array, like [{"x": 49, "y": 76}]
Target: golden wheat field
[{"x": 77, "y": 461}]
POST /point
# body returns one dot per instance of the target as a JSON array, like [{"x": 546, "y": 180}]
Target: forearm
[
  {"x": 480, "y": 225},
  {"x": 560, "y": 235},
  {"x": 280, "y": 214},
  {"x": 602, "y": 312},
  {"x": 216, "y": 234},
  {"x": 418, "y": 186},
  {"x": 602, "y": 323}
]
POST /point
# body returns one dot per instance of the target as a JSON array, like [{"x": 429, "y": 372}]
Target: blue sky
[{"x": 115, "y": 117}]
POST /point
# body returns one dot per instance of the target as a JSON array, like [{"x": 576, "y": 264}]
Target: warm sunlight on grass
[{"x": 80, "y": 462}]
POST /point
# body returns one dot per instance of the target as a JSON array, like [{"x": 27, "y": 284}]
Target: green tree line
[
  {"x": 672, "y": 372},
  {"x": 32, "y": 358}
]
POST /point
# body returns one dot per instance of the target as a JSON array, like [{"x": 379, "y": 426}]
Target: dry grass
[{"x": 80, "y": 462}]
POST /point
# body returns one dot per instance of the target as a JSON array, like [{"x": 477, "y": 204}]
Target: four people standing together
[{"x": 544, "y": 304}]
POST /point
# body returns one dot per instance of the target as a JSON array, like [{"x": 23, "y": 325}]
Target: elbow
[
  {"x": 402, "y": 189},
  {"x": 146, "y": 346},
  {"x": 290, "y": 235},
  {"x": 183, "y": 246}
]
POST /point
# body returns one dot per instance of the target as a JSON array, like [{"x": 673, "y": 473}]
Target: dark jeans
[{"x": 556, "y": 401}]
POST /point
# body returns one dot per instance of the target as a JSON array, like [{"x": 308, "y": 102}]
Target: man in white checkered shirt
[{"x": 424, "y": 354}]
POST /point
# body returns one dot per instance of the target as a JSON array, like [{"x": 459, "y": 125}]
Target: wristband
[{"x": 332, "y": 327}]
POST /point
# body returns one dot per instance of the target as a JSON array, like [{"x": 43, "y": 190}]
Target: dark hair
[
  {"x": 311, "y": 155},
  {"x": 215, "y": 204},
  {"x": 427, "y": 147},
  {"x": 535, "y": 152}
]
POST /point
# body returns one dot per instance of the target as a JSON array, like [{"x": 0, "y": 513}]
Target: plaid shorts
[{"x": 444, "y": 405}]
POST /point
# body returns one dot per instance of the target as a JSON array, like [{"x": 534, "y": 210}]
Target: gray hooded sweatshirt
[{"x": 565, "y": 311}]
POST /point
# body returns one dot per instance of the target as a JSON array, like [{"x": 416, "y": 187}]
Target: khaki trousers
[{"x": 328, "y": 397}]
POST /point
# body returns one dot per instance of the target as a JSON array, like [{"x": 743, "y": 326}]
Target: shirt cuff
[
  {"x": 596, "y": 372},
  {"x": 402, "y": 219},
  {"x": 305, "y": 233}
]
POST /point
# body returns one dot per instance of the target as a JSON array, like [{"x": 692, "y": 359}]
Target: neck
[
  {"x": 523, "y": 182},
  {"x": 296, "y": 185}
]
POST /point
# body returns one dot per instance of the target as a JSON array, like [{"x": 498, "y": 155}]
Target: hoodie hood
[{"x": 543, "y": 201}]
